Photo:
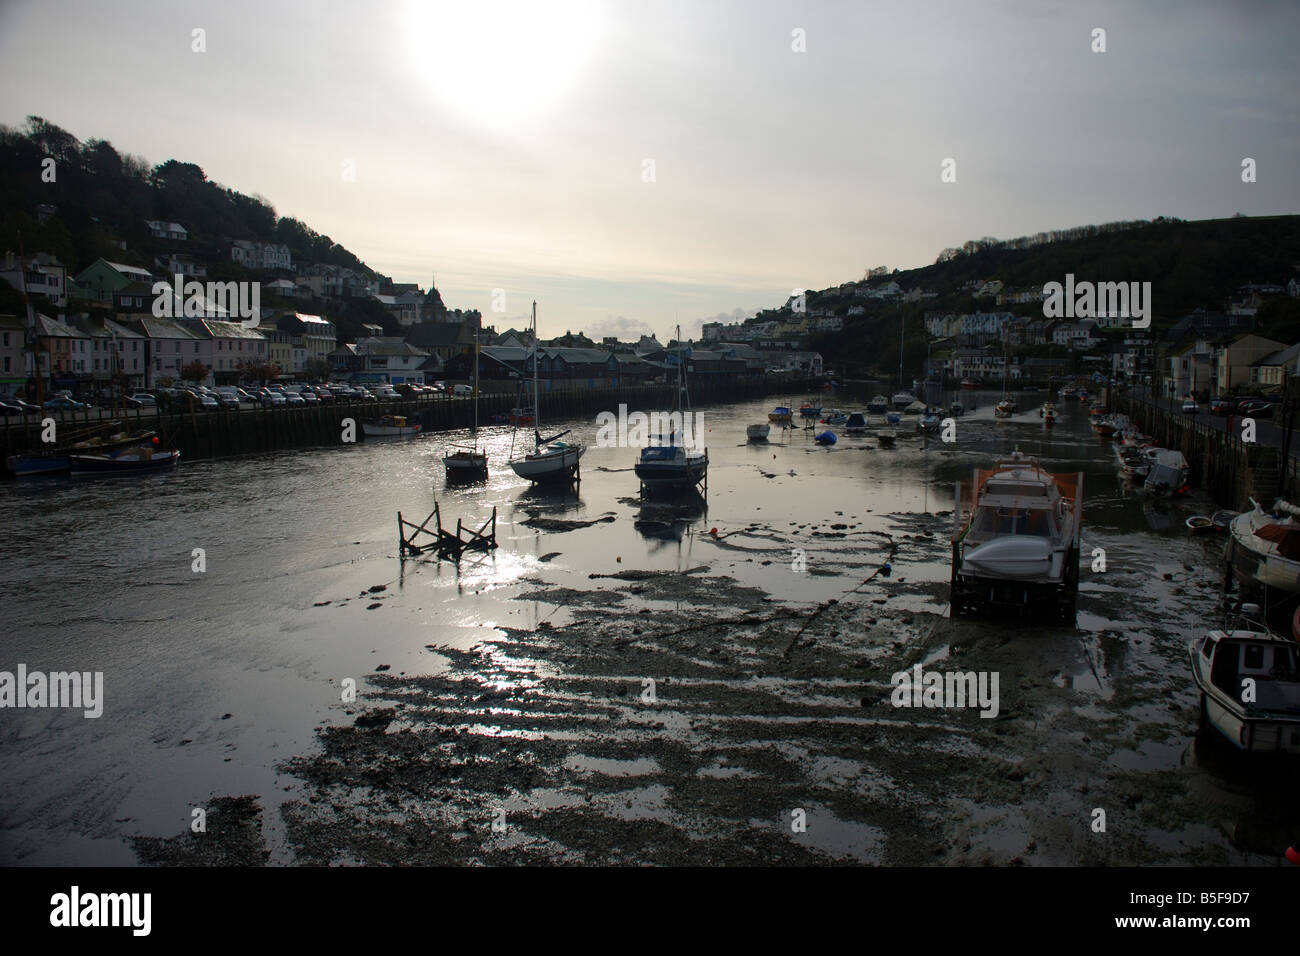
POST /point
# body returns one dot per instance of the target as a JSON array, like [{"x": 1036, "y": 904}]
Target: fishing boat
[
  {"x": 1019, "y": 545},
  {"x": 1167, "y": 474},
  {"x": 855, "y": 424},
  {"x": 809, "y": 412},
  {"x": 902, "y": 399},
  {"x": 1249, "y": 682},
  {"x": 1048, "y": 413},
  {"x": 969, "y": 385},
  {"x": 56, "y": 460},
  {"x": 390, "y": 425},
  {"x": 835, "y": 417},
  {"x": 825, "y": 438},
  {"x": 758, "y": 432},
  {"x": 1198, "y": 523},
  {"x": 466, "y": 462},
  {"x": 1263, "y": 553},
  {"x": 673, "y": 466},
  {"x": 1005, "y": 408},
  {"x": 779, "y": 415},
  {"x": 134, "y": 460},
  {"x": 887, "y": 437},
  {"x": 878, "y": 405},
  {"x": 551, "y": 459}
]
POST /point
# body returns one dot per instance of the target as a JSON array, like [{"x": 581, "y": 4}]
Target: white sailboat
[
  {"x": 550, "y": 460},
  {"x": 466, "y": 462}
]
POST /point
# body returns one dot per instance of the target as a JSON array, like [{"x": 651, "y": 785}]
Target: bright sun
[{"x": 502, "y": 63}]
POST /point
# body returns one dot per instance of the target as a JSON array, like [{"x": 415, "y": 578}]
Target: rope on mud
[{"x": 833, "y": 602}]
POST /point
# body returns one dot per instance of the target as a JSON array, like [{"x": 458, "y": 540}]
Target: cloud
[{"x": 618, "y": 325}]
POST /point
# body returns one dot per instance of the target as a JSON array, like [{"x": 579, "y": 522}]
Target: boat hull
[
  {"x": 758, "y": 432},
  {"x": 553, "y": 466},
  {"x": 656, "y": 474},
  {"x": 389, "y": 431},
  {"x": 85, "y": 465}
]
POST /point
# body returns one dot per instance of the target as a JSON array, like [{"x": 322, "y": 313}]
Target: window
[
  {"x": 178, "y": 346},
  {"x": 196, "y": 348},
  {"x": 7, "y": 362},
  {"x": 1253, "y": 657}
]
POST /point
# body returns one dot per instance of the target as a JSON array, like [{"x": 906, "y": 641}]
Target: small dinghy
[
  {"x": 1198, "y": 523},
  {"x": 1222, "y": 520},
  {"x": 893, "y": 418},
  {"x": 757, "y": 432},
  {"x": 825, "y": 438}
]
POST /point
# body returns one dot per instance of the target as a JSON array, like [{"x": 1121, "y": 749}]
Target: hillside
[
  {"x": 1189, "y": 264},
  {"x": 100, "y": 200}
]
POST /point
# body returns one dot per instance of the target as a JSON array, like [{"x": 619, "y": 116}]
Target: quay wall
[{"x": 217, "y": 434}]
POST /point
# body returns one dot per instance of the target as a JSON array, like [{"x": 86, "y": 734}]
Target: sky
[{"x": 636, "y": 165}]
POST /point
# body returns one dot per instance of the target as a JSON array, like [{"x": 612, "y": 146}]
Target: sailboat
[
  {"x": 550, "y": 460},
  {"x": 467, "y": 463},
  {"x": 1007, "y": 407},
  {"x": 673, "y": 465}
]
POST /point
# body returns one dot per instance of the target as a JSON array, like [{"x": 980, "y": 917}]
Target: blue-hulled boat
[{"x": 856, "y": 424}]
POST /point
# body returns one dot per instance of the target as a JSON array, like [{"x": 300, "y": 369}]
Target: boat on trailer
[{"x": 1018, "y": 548}]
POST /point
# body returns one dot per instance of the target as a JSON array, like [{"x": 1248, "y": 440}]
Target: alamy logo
[
  {"x": 639, "y": 429},
  {"x": 920, "y": 688},
  {"x": 1088, "y": 300},
  {"x": 57, "y": 689},
  {"x": 102, "y": 909},
  {"x": 212, "y": 300}
]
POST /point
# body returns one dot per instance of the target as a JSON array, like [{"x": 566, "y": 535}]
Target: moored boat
[
  {"x": 673, "y": 466},
  {"x": 1048, "y": 413},
  {"x": 138, "y": 459},
  {"x": 57, "y": 460},
  {"x": 758, "y": 432},
  {"x": 893, "y": 418},
  {"x": 550, "y": 460},
  {"x": 1199, "y": 523},
  {"x": 779, "y": 415},
  {"x": 902, "y": 399},
  {"x": 825, "y": 438},
  {"x": 969, "y": 384},
  {"x": 915, "y": 408},
  {"x": 389, "y": 426},
  {"x": 1019, "y": 545},
  {"x": 1005, "y": 408},
  {"x": 878, "y": 405},
  {"x": 1233, "y": 663},
  {"x": 1263, "y": 553},
  {"x": 855, "y": 424},
  {"x": 835, "y": 417},
  {"x": 1167, "y": 474},
  {"x": 809, "y": 411}
]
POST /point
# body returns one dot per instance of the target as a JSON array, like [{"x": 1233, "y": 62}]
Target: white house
[{"x": 167, "y": 230}]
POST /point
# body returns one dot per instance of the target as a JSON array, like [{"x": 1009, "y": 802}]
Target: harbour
[{"x": 657, "y": 679}]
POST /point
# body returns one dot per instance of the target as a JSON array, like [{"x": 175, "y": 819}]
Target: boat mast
[
  {"x": 476, "y": 332},
  {"x": 902, "y": 323},
  {"x": 537, "y": 403}
]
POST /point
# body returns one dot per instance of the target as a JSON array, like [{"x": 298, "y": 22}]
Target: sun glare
[{"x": 502, "y": 63}]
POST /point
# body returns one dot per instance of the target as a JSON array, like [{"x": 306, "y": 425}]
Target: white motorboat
[
  {"x": 1019, "y": 546},
  {"x": 1263, "y": 552},
  {"x": 902, "y": 399},
  {"x": 758, "y": 432},
  {"x": 550, "y": 459},
  {"x": 1249, "y": 679},
  {"x": 390, "y": 426},
  {"x": 915, "y": 408},
  {"x": 878, "y": 405}
]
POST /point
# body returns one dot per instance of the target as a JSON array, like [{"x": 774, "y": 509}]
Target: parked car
[
  {"x": 324, "y": 394},
  {"x": 1190, "y": 407},
  {"x": 462, "y": 390},
  {"x": 1220, "y": 406},
  {"x": 272, "y": 398},
  {"x": 1256, "y": 408},
  {"x": 27, "y": 407},
  {"x": 61, "y": 402},
  {"x": 9, "y": 408},
  {"x": 293, "y": 398},
  {"x": 145, "y": 399}
]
